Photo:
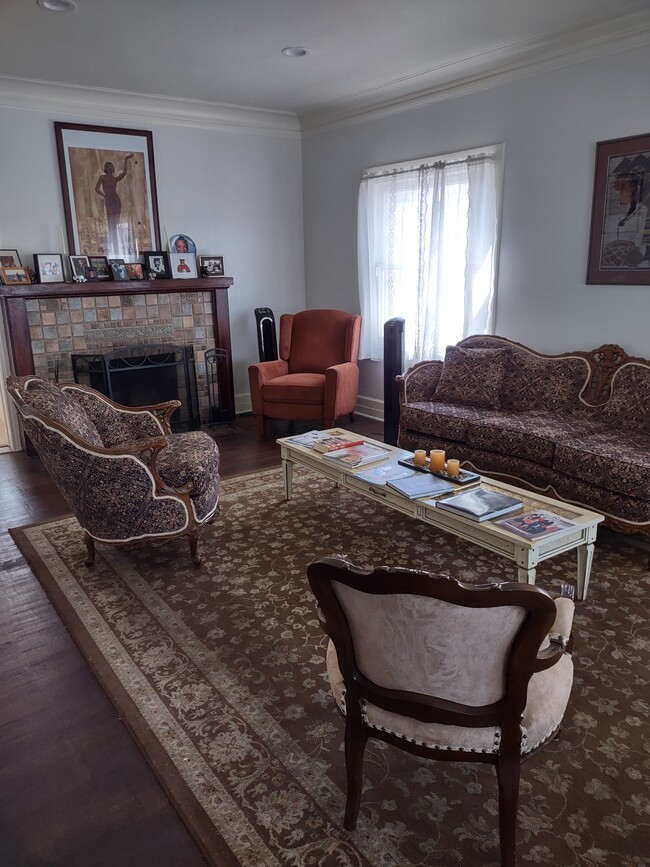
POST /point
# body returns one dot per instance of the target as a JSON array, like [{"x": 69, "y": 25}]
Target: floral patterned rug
[{"x": 220, "y": 675}]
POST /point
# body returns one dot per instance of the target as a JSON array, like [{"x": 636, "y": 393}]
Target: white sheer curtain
[{"x": 427, "y": 243}]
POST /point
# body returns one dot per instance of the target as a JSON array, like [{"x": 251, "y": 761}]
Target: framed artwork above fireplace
[{"x": 108, "y": 182}]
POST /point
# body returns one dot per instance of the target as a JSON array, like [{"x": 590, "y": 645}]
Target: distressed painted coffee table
[{"x": 525, "y": 553}]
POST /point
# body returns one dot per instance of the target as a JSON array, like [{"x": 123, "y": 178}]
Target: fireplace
[
  {"x": 46, "y": 323},
  {"x": 142, "y": 375}
]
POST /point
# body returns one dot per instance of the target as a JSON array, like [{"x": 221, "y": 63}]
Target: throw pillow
[{"x": 472, "y": 376}]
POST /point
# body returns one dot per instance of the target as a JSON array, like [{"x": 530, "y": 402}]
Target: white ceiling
[{"x": 363, "y": 53}]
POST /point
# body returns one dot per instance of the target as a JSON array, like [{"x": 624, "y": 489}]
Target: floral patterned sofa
[
  {"x": 574, "y": 426},
  {"x": 125, "y": 476}
]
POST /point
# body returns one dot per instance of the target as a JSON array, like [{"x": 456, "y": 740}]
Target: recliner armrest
[{"x": 341, "y": 388}]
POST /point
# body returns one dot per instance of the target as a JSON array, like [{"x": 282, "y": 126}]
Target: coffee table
[{"x": 525, "y": 553}]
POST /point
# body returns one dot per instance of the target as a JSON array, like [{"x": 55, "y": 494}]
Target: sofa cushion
[
  {"x": 614, "y": 459},
  {"x": 59, "y": 406},
  {"x": 472, "y": 377},
  {"x": 629, "y": 404},
  {"x": 531, "y": 435},
  {"x": 444, "y": 420},
  {"x": 295, "y": 388},
  {"x": 533, "y": 382}
]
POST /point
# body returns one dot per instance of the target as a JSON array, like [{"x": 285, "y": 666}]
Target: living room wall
[
  {"x": 235, "y": 192},
  {"x": 550, "y": 123}
]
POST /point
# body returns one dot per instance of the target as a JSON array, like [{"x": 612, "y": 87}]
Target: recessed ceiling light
[
  {"x": 295, "y": 51},
  {"x": 57, "y": 5}
]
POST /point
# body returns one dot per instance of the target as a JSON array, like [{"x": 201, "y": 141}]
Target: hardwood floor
[{"x": 74, "y": 789}]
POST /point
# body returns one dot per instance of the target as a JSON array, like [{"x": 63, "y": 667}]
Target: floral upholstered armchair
[
  {"x": 124, "y": 474},
  {"x": 478, "y": 673}
]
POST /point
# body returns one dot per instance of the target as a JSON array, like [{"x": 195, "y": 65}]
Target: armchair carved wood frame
[
  {"x": 445, "y": 670},
  {"x": 124, "y": 474}
]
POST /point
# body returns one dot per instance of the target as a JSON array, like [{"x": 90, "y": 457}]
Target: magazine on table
[
  {"x": 385, "y": 473},
  {"x": 309, "y": 439},
  {"x": 480, "y": 504},
  {"x": 421, "y": 485},
  {"x": 357, "y": 456},
  {"x": 532, "y": 525},
  {"x": 333, "y": 443}
]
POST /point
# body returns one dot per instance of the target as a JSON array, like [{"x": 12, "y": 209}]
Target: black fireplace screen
[{"x": 144, "y": 375}]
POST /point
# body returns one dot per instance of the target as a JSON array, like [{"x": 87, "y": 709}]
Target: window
[{"x": 427, "y": 244}]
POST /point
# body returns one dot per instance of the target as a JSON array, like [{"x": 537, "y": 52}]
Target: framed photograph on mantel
[
  {"x": 10, "y": 259},
  {"x": 619, "y": 246},
  {"x": 108, "y": 181},
  {"x": 49, "y": 268}
]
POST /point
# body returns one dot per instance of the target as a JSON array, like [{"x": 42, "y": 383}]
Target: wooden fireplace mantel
[{"x": 14, "y": 304}]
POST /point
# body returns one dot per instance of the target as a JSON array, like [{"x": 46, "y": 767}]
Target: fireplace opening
[{"x": 143, "y": 375}]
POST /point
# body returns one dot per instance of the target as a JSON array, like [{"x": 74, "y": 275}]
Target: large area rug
[{"x": 220, "y": 675}]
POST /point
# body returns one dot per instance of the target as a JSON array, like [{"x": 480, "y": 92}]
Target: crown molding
[
  {"x": 126, "y": 107},
  {"x": 490, "y": 69}
]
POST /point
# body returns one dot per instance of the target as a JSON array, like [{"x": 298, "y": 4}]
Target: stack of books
[
  {"x": 357, "y": 455},
  {"x": 334, "y": 443},
  {"x": 421, "y": 485},
  {"x": 480, "y": 504}
]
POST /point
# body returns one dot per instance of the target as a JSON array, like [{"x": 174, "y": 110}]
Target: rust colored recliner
[{"x": 316, "y": 376}]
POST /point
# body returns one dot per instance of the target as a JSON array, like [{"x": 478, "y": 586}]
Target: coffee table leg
[
  {"x": 585, "y": 557},
  {"x": 526, "y": 576},
  {"x": 288, "y": 478}
]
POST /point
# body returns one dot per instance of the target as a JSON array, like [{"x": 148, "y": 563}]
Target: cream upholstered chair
[
  {"x": 444, "y": 670},
  {"x": 316, "y": 376},
  {"x": 124, "y": 474}
]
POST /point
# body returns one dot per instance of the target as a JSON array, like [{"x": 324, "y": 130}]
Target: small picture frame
[
  {"x": 183, "y": 266},
  {"x": 135, "y": 271},
  {"x": 211, "y": 266},
  {"x": 118, "y": 267},
  {"x": 14, "y": 276},
  {"x": 78, "y": 264},
  {"x": 156, "y": 265},
  {"x": 90, "y": 274},
  {"x": 101, "y": 267},
  {"x": 49, "y": 268},
  {"x": 182, "y": 244},
  {"x": 10, "y": 259}
]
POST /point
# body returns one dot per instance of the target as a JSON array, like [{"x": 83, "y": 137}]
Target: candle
[
  {"x": 453, "y": 467},
  {"x": 437, "y": 459},
  {"x": 419, "y": 457}
]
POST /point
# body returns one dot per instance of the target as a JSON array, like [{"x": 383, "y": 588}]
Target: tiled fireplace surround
[{"x": 58, "y": 320}]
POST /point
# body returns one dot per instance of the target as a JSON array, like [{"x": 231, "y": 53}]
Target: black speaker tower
[
  {"x": 267, "y": 343},
  {"x": 393, "y": 366}
]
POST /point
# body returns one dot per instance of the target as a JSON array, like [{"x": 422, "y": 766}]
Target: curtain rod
[{"x": 476, "y": 158}]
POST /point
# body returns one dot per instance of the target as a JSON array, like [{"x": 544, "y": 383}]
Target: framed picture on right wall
[{"x": 619, "y": 244}]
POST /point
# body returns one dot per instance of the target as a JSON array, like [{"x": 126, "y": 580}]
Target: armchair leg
[
  {"x": 194, "y": 550},
  {"x": 90, "y": 548},
  {"x": 352, "y": 417},
  {"x": 508, "y": 774},
  {"x": 261, "y": 426},
  {"x": 355, "y": 745}
]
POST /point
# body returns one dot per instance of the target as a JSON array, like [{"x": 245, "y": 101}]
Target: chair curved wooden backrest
[
  {"x": 445, "y": 670},
  {"x": 124, "y": 474},
  {"x": 317, "y": 373}
]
